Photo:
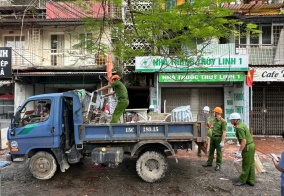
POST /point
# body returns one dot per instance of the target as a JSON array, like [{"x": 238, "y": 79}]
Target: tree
[{"x": 164, "y": 27}]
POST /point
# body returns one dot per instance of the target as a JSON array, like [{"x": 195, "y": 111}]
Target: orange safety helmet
[
  {"x": 218, "y": 110},
  {"x": 115, "y": 77}
]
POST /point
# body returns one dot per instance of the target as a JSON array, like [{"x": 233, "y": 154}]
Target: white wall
[
  {"x": 22, "y": 92},
  {"x": 4, "y": 137}
]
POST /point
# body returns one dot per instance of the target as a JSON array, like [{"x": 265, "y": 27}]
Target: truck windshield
[{"x": 34, "y": 111}]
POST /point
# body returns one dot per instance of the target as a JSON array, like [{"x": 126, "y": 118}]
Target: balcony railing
[
  {"x": 64, "y": 58},
  {"x": 263, "y": 55},
  {"x": 258, "y": 55}
]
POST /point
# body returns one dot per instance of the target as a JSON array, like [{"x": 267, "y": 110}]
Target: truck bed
[{"x": 133, "y": 132}]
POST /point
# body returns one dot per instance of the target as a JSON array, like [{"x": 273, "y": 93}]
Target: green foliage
[{"x": 177, "y": 29}]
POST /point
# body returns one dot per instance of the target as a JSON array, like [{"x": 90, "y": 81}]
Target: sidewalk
[{"x": 264, "y": 146}]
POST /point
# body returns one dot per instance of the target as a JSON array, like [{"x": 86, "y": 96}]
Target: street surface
[{"x": 187, "y": 177}]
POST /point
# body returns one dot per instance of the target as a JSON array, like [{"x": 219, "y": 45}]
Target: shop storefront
[
  {"x": 6, "y": 84},
  {"x": 217, "y": 81},
  {"x": 268, "y": 102}
]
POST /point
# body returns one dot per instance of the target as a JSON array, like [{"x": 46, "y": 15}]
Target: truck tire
[
  {"x": 151, "y": 166},
  {"x": 42, "y": 165}
]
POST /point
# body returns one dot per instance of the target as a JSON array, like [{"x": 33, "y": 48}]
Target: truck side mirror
[{"x": 13, "y": 126}]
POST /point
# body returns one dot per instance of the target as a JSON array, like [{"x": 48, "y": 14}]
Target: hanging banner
[
  {"x": 192, "y": 63},
  {"x": 202, "y": 77},
  {"x": 6, "y": 62}
]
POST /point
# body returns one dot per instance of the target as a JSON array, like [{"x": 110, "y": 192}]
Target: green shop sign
[
  {"x": 202, "y": 77},
  {"x": 193, "y": 63}
]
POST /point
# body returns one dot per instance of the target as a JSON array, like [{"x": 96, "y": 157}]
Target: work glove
[
  {"x": 238, "y": 155},
  {"x": 95, "y": 92},
  {"x": 221, "y": 144}
]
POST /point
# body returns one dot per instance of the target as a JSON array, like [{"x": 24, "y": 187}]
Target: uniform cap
[
  {"x": 235, "y": 116},
  {"x": 218, "y": 110}
]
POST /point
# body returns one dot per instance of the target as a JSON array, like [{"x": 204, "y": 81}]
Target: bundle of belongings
[{"x": 181, "y": 114}]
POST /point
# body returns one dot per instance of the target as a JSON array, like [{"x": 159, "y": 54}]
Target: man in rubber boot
[
  {"x": 246, "y": 151},
  {"x": 121, "y": 94},
  {"x": 217, "y": 139},
  {"x": 206, "y": 115}
]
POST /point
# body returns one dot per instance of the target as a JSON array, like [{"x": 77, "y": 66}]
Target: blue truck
[{"x": 63, "y": 137}]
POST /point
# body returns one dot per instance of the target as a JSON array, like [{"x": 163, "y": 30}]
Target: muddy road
[{"x": 187, "y": 177}]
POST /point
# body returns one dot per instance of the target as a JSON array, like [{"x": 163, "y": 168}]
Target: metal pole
[
  {"x": 159, "y": 111},
  {"x": 251, "y": 98},
  {"x": 0, "y": 182}
]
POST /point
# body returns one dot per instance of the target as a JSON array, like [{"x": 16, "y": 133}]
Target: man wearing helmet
[
  {"x": 122, "y": 96},
  {"x": 246, "y": 151},
  {"x": 217, "y": 139},
  {"x": 206, "y": 110}
]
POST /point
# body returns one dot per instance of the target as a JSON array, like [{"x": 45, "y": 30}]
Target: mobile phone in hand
[{"x": 275, "y": 157}]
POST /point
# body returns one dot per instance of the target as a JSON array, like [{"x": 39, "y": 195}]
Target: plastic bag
[{"x": 181, "y": 114}]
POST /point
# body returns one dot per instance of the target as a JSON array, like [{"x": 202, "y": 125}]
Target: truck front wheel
[
  {"x": 42, "y": 165},
  {"x": 151, "y": 166}
]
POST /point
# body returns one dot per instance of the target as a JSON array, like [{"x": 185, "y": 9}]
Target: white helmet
[
  {"x": 206, "y": 108},
  {"x": 151, "y": 107},
  {"x": 235, "y": 116}
]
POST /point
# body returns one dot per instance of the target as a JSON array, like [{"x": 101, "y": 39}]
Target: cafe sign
[
  {"x": 268, "y": 74},
  {"x": 202, "y": 77},
  {"x": 192, "y": 63}
]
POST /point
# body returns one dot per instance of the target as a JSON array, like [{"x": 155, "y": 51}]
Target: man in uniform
[
  {"x": 246, "y": 151},
  {"x": 206, "y": 115},
  {"x": 121, "y": 94},
  {"x": 217, "y": 139}
]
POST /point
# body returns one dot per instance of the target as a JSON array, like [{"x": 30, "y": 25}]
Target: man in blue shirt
[{"x": 280, "y": 167}]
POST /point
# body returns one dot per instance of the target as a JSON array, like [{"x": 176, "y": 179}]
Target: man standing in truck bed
[{"x": 121, "y": 94}]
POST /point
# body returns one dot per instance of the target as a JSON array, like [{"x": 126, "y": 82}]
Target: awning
[
  {"x": 5, "y": 82},
  {"x": 7, "y": 96}
]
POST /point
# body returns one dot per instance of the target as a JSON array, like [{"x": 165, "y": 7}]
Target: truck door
[{"x": 34, "y": 124}]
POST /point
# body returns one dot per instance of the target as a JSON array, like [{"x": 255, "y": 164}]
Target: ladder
[{"x": 35, "y": 49}]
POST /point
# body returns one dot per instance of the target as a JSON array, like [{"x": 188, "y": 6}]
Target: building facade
[{"x": 266, "y": 58}]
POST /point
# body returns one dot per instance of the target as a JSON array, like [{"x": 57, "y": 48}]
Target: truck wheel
[
  {"x": 152, "y": 166},
  {"x": 42, "y": 165}
]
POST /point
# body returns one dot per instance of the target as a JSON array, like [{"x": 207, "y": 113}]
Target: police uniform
[
  {"x": 209, "y": 132},
  {"x": 216, "y": 138},
  {"x": 122, "y": 98},
  {"x": 248, "y": 171}
]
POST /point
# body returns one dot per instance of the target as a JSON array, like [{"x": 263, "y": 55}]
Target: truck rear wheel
[
  {"x": 152, "y": 166},
  {"x": 42, "y": 165}
]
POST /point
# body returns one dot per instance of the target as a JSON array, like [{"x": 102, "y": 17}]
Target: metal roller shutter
[
  {"x": 197, "y": 98},
  {"x": 268, "y": 110}
]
